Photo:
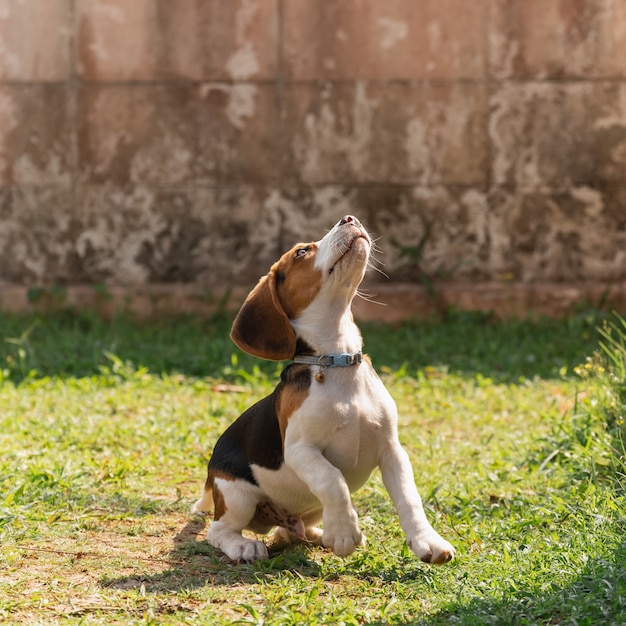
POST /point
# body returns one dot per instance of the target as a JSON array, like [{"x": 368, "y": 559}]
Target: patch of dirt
[{"x": 151, "y": 558}]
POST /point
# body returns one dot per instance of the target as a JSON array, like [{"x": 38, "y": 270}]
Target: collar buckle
[{"x": 342, "y": 359}]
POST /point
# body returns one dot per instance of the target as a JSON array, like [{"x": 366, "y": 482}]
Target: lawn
[{"x": 514, "y": 431}]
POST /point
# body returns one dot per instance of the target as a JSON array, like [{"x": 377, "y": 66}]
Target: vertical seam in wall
[
  {"x": 281, "y": 142},
  {"x": 488, "y": 90},
  {"x": 488, "y": 142},
  {"x": 73, "y": 105}
]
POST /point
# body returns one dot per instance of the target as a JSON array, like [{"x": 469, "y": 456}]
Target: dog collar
[{"x": 343, "y": 359}]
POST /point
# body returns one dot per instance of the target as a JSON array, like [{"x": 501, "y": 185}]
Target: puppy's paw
[
  {"x": 282, "y": 537},
  {"x": 246, "y": 551},
  {"x": 314, "y": 535},
  {"x": 238, "y": 548},
  {"x": 430, "y": 547},
  {"x": 342, "y": 539}
]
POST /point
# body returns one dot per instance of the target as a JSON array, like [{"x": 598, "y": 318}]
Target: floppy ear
[{"x": 261, "y": 327}]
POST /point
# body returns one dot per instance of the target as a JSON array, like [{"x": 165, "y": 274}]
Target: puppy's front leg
[
  {"x": 421, "y": 537},
  {"x": 341, "y": 532}
]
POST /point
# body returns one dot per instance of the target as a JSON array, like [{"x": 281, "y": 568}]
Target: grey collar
[{"x": 343, "y": 359}]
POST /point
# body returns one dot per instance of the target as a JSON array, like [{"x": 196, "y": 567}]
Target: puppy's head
[{"x": 306, "y": 272}]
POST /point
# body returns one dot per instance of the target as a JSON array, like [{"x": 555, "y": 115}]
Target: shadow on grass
[
  {"x": 196, "y": 564},
  {"x": 597, "y": 596}
]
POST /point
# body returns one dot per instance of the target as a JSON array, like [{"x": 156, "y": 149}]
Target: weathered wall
[{"x": 186, "y": 141}]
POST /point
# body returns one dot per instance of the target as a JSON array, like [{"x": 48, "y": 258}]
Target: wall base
[{"x": 392, "y": 302}]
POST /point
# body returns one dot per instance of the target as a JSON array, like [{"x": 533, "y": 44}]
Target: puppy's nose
[{"x": 349, "y": 219}]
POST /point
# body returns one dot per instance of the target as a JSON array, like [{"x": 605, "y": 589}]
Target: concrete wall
[{"x": 191, "y": 141}]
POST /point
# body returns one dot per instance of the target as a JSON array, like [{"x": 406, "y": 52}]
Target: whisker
[
  {"x": 377, "y": 269},
  {"x": 376, "y": 248},
  {"x": 368, "y": 297},
  {"x": 375, "y": 262},
  {"x": 373, "y": 256}
]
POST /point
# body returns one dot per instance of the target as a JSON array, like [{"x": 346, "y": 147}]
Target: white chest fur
[{"x": 342, "y": 417}]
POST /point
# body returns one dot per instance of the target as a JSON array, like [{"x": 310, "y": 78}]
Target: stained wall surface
[{"x": 192, "y": 141}]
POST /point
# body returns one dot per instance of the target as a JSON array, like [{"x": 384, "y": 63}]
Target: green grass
[{"x": 514, "y": 433}]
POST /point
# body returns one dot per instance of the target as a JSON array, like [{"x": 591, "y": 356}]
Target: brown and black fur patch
[
  {"x": 300, "y": 282},
  {"x": 257, "y": 436},
  {"x": 219, "y": 504},
  {"x": 262, "y": 326},
  {"x": 294, "y": 389}
]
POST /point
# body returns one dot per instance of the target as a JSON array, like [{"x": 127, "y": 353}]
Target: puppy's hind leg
[
  {"x": 205, "y": 503},
  {"x": 235, "y": 507}
]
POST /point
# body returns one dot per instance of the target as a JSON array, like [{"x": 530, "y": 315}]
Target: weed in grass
[
  {"x": 594, "y": 437},
  {"x": 514, "y": 436}
]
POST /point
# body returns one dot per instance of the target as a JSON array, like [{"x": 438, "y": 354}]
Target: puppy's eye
[{"x": 301, "y": 252}]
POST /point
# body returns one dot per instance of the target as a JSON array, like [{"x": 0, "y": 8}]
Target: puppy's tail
[{"x": 205, "y": 503}]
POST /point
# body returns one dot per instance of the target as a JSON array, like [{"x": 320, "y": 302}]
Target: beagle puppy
[{"x": 291, "y": 460}]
